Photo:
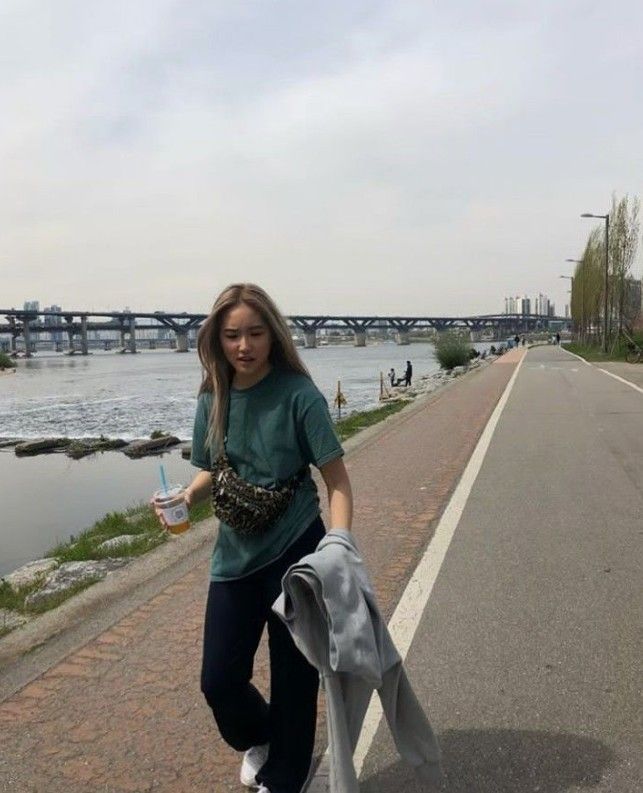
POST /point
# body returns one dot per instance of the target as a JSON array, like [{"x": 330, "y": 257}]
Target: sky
[{"x": 414, "y": 158}]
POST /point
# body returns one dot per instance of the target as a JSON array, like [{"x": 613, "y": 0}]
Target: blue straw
[{"x": 163, "y": 479}]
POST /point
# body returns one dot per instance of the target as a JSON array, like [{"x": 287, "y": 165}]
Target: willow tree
[
  {"x": 624, "y": 237},
  {"x": 587, "y": 297}
]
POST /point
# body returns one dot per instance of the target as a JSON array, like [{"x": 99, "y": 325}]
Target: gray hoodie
[{"x": 329, "y": 607}]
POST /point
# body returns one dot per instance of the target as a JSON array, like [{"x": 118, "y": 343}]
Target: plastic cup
[{"x": 174, "y": 509}]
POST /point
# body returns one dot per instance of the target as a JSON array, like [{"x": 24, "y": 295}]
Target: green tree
[{"x": 624, "y": 237}]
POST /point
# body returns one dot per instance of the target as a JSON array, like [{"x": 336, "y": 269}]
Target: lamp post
[
  {"x": 571, "y": 293},
  {"x": 606, "y": 218},
  {"x": 582, "y": 300}
]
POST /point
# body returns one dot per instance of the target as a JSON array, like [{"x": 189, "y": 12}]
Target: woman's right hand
[{"x": 187, "y": 497}]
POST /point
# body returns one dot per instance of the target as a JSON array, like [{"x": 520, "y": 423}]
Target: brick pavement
[{"x": 124, "y": 713}]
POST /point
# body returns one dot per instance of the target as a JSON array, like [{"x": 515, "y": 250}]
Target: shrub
[
  {"x": 451, "y": 350},
  {"x": 6, "y": 362}
]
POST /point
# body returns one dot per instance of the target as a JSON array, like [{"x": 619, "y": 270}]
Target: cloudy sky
[{"x": 364, "y": 157}]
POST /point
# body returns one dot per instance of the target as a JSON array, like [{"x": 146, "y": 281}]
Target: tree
[{"x": 624, "y": 237}]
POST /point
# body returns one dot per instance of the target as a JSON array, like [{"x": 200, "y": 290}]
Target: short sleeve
[
  {"x": 200, "y": 456},
  {"x": 317, "y": 436}
]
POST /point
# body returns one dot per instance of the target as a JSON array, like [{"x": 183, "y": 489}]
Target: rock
[
  {"x": 10, "y": 620},
  {"x": 458, "y": 370},
  {"x": 42, "y": 445},
  {"x": 84, "y": 446},
  {"x": 5, "y": 442},
  {"x": 30, "y": 573},
  {"x": 186, "y": 451},
  {"x": 118, "y": 542},
  {"x": 70, "y": 575},
  {"x": 150, "y": 446}
]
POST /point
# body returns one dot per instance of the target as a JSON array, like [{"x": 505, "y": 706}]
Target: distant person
[
  {"x": 557, "y": 338},
  {"x": 516, "y": 339},
  {"x": 391, "y": 377},
  {"x": 408, "y": 374}
]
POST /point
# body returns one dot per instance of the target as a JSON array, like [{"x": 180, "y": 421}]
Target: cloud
[{"x": 400, "y": 156}]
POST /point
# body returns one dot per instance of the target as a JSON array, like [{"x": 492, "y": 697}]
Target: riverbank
[{"x": 91, "y": 558}]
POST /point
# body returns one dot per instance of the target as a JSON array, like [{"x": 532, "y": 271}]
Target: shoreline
[{"x": 138, "y": 571}]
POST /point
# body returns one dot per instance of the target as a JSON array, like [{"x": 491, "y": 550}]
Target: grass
[
  {"x": 12, "y": 599},
  {"x": 594, "y": 352},
  {"x": 61, "y": 597},
  {"x": 139, "y": 520},
  {"x": 352, "y": 424}
]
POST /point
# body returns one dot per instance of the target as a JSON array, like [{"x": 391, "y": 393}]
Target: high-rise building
[
  {"x": 524, "y": 305},
  {"x": 32, "y": 305},
  {"x": 52, "y": 319}
]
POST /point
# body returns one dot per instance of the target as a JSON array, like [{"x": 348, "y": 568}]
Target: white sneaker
[
  {"x": 263, "y": 789},
  {"x": 253, "y": 759}
]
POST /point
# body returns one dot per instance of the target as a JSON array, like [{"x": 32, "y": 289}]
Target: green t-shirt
[{"x": 275, "y": 428}]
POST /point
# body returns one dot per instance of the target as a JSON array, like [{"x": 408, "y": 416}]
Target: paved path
[
  {"x": 124, "y": 713},
  {"x": 528, "y": 654}
]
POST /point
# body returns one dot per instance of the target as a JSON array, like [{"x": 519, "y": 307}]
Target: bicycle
[{"x": 634, "y": 353}]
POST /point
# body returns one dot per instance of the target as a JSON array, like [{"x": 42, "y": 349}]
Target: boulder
[
  {"x": 81, "y": 447},
  {"x": 10, "y": 620},
  {"x": 41, "y": 445},
  {"x": 150, "y": 446},
  {"x": 122, "y": 541},
  {"x": 70, "y": 575},
  {"x": 30, "y": 573}
]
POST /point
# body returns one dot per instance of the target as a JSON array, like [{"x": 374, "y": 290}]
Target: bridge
[{"x": 124, "y": 325}]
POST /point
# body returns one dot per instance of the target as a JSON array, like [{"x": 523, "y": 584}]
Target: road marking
[
  {"x": 409, "y": 611},
  {"x": 564, "y": 349},
  {"x": 622, "y": 379},
  {"x": 611, "y": 374}
]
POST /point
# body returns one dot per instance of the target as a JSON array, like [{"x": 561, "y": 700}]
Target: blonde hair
[{"x": 218, "y": 372}]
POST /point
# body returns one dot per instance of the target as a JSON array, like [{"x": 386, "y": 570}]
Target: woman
[{"x": 259, "y": 405}]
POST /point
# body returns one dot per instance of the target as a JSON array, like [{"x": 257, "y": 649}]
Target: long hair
[{"x": 217, "y": 371}]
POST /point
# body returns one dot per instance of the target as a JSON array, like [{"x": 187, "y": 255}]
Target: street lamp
[
  {"x": 582, "y": 299},
  {"x": 571, "y": 293},
  {"x": 606, "y": 218}
]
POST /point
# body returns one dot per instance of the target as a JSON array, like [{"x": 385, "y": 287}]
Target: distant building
[
  {"x": 528, "y": 305},
  {"x": 56, "y": 335},
  {"x": 32, "y": 305}
]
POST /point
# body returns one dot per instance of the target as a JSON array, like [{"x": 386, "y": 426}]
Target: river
[{"x": 48, "y": 498}]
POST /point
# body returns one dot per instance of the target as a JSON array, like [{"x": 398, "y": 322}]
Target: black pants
[{"x": 236, "y": 614}]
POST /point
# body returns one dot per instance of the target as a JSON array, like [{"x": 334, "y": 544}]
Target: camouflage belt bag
[{"x": 249, "y": 509}]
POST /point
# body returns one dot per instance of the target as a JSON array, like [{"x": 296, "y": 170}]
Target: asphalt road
[{"x": 528, "y": 653}]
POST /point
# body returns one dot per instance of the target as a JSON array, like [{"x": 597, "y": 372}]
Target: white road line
[
  {"x": 587, "y": 363},
  {"x": 622, "y": 379},
  {"x": 611, "y": 374},
  {"x": 413, "y": 602}
]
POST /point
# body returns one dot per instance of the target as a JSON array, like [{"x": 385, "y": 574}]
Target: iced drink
[{"x": 174, "y": 509}]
